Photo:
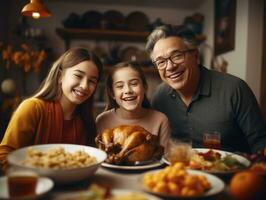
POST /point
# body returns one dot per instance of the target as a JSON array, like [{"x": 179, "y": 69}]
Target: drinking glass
[
  {"x": 179, "y": 150},
  {"x": 21, "y": 182},
  {"x": 212, "y": 140}
]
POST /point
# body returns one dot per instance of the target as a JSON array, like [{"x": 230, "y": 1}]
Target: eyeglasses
[{"x": 176, "y": 57}]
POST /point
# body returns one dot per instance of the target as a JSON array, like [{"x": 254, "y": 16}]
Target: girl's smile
[
  {"x": 79, "y": 93},
  {"x": 130, "y": 98}
]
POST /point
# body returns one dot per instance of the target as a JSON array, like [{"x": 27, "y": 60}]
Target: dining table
[{"x": 121, "y": 180}]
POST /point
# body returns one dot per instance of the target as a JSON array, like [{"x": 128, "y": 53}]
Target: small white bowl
[
  {"x": 61, "y": 176},
  {"x": 44, "y": 185}
]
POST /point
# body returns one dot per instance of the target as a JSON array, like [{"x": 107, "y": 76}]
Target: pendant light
[{"x": 35, "y": 9}]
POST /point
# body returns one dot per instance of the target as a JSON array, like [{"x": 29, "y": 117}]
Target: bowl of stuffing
[{"x": 64, "y": 163}]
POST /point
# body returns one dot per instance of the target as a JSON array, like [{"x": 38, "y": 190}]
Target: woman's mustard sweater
[{"x": 37, "y": 121}]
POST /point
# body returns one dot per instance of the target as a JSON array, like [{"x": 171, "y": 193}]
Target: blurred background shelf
[
  {"x": 68, "y": 34},
  {"x": 146, "y": 69}
]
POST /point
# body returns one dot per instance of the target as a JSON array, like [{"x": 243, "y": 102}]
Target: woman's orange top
[{"x": 38, "y": 121}]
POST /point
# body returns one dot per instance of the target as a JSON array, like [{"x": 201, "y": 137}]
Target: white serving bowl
[{"x": 60, "y": 176}]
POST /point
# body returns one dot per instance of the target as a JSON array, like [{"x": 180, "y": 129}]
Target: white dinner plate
[
  {"x": 44, "y": 185},
  {"x": 136, "y": 167},
  {"x": 119, "y": 193},
  {"x": 240, "y": 158},
  {"x": 217, "y": 186}
]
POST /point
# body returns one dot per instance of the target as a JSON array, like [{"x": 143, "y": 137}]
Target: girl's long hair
[
  {"x": 50, "y": 88},
  {"x": 111, "y": 103}
]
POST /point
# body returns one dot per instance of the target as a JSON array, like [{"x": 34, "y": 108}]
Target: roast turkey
[{"x": 127, "y": 144}]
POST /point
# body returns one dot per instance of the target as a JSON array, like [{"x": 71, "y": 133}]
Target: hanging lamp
[{"x": 35, "y": 9}]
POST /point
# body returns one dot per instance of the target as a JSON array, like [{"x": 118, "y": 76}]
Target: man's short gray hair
[{"x": 168, "y": 30}]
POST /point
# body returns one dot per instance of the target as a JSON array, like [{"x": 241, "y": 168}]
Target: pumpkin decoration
[{"x": 247, "y": 185}]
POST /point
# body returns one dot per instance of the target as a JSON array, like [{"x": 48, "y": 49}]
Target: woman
[{"x": 61, "y": 110}]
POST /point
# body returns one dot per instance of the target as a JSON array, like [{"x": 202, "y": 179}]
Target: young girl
[
  {"x": 61, "y": 110},
  {"x": 127, "y": 103}
]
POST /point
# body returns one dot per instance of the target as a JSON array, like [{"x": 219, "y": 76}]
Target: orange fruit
[{"x": 247, "y": 185}]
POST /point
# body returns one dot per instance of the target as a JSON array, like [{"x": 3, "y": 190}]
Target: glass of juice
[
  {"x": 21, "y": 183},
  {"x": 179, "y": 150},
  {"x": 212, "y": 140}
]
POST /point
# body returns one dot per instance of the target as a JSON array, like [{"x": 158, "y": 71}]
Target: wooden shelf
[
  {"x": 69, "y": 34},
  {"x": 146, "y": 69}
]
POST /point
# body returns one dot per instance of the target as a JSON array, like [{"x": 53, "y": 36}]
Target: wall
[
  {"x": 207, "y": 46},
  {"x": 237, "y": 57},
  {"x": 236, "y": 66},
  {"x": 255, "y": 46}
]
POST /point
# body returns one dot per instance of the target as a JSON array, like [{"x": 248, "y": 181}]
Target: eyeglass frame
[{"x": 182, "y": 53}]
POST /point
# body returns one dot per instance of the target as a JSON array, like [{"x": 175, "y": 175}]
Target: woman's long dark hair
[
  {"x": 50, "y": 89},
  {"x": 111, "y": 103}
]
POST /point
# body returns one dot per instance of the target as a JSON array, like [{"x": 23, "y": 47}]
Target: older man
[{"x": 197, "y": 100}]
